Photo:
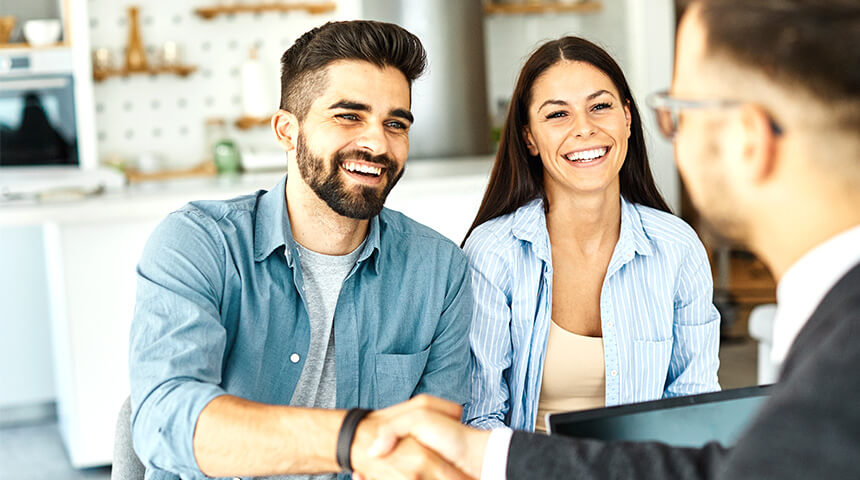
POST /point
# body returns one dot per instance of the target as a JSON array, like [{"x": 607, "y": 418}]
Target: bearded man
[{"x": 260, "y": 319}]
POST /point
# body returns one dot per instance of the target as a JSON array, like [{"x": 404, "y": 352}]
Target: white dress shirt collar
[{"x": 806, "y": 282}]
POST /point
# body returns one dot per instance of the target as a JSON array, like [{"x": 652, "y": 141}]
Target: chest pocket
[
  {"x": 650, "y": 368},
  {"x": 397, "y": 376}
]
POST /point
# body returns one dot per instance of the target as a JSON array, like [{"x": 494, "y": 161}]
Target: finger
[
  {"x": 440, "y": 405},
  {"x": 440, "y": 469},
  {"x": 422, "y": 402}
]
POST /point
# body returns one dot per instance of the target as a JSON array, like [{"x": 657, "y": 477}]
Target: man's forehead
[{"x": 365, "y": 82}]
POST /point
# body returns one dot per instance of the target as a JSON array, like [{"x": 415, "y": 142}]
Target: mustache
[{"x": 384, "y": 160}]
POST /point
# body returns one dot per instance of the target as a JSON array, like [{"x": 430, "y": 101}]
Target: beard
[{"x": 360, "y": 202}]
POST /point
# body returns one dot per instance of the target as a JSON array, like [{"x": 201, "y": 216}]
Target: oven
[{"x": 37, "y": 110}]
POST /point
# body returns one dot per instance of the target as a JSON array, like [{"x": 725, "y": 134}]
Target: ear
[
  {"x": 531, "y": 145},
  {"x": 759, "y": 142},
  {"x": 627, "y": 118},
  {"x": 286, "y": 128}
]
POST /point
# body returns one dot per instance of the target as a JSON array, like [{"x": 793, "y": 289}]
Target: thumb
[{"x": 385, "y": 442}]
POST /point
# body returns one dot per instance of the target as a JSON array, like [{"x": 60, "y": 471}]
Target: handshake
[{"x": 418, "y": 439}]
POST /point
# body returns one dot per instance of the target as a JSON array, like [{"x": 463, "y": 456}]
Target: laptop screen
[{"x": 690, "y": 421}]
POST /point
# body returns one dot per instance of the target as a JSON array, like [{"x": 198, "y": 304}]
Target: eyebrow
[
  {"x": 402, "y": 113},
  {"x": 350, "y": 105},
  {"x": 363, "y": 107},
  {"x": 563, "y": 103},
  {"x": 598, "y": 93}
]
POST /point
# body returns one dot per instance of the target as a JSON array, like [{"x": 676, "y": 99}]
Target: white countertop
[{"x": 156, "y": 199}]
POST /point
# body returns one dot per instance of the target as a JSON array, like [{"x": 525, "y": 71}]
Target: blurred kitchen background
[{"x": 114, "y": 113}]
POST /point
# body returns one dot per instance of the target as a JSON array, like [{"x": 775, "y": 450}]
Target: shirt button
[
  {"x": 614, "y": 373},
  {"x": 610, "y": 324},
  {"x": 295, "y": 358}
]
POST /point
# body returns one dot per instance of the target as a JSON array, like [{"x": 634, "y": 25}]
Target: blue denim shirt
[{"x": 220, "y": 310}]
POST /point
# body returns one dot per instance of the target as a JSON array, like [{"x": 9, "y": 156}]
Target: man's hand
[
  {"x": 435, "y": 423},
  {"x": 406, "y": 458}
]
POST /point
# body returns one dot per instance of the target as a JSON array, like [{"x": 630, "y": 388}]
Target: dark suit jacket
[{"x": 808, "y": 429}]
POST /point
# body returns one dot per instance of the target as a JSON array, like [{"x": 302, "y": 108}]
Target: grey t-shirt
[{"x": 323, "y": 277}]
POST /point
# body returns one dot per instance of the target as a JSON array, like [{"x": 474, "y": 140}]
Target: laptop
[{"x": 690, "y": 421}]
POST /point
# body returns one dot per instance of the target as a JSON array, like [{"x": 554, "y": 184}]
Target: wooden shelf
[
  {"x": 205, "y": 169},
  {"x": 589, "y": 6},
  {"x": 27, "y": 46},
  {"x": 179, "y": 70},
  {"x": 208, "y": 13},
  {"x": 247, "y": 123}
]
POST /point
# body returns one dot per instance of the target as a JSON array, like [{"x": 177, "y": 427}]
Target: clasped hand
[{"x": 418, "y": 439}]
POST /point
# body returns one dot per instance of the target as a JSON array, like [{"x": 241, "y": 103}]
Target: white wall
[{"x": 164, "y": 115}]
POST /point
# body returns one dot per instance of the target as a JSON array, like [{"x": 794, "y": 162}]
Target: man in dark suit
[{"x": 764, "y": 112}]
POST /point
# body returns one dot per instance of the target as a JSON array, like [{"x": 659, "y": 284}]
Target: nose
[
  {"x": 373, "y": 140},
  {"x": 582, "y": 127}
]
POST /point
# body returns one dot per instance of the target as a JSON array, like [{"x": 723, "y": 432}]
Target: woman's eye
[
  {"x": 347, "y": 116},
  {"x": 556, "y": 115},
  {"x": 601, "y": 106}
]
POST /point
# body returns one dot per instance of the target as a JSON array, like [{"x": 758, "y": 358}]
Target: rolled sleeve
[
  {"x": 177, "y": 340},
  {"x": 446, "y": 372},
  {"x": 489, "y": 336},
  {"x": 696, "y": 329}
]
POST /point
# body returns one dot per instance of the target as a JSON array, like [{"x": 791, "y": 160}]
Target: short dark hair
[
  {"x": 517, "y": 176},
  {"x": 807, "y": 44},
  {"x": 382, "y": 44}
]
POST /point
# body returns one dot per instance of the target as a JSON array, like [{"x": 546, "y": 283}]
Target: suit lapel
[{"x": 825, "y": 319}]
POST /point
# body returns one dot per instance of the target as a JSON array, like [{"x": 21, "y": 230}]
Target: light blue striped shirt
[{"x": 660, "y": 327}]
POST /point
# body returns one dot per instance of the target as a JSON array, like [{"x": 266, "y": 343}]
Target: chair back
[{"x": 126, "y": 465}]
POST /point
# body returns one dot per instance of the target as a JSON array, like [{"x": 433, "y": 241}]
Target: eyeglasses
[{"x": 667, "y": 109}]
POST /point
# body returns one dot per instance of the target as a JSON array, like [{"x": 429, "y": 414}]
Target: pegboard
[{"x": 165, "y": 115}]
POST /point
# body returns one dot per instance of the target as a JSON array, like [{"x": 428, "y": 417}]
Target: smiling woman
[{"x": 588, "y": 291}]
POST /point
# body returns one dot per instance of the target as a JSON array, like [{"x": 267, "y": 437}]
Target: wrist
[
  {"x": 475, "y": 450},
  {"x": 365, "y": 435},
  {"x": 346, "y": 437}
]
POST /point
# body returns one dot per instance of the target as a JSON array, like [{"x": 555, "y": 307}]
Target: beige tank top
[{"x": 573, "y": 374}]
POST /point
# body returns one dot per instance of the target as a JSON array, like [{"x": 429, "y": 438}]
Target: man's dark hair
[
  {"x": 382, "y": 44},
  {"x": 811, "y": 45}
]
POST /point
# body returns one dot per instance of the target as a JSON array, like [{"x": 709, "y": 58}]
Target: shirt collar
[
  {"x": 530, "y": 225},
  {"x": 804, "y": 285},
  {"x": 272, "y": 228},
  {"x": 633, "y": 234}
]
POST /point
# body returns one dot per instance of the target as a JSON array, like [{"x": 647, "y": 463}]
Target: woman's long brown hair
[{"x": 517, "y": 176}]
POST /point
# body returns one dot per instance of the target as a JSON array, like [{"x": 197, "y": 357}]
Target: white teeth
[
  {"x": 358, "y": 167},
  {"x": 586, "y": 155}
]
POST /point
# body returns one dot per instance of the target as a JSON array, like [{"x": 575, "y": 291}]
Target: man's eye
[
  {"x": 347, "y": 116},
  {"x": 397, "y": 125},
  {"x": 601, "y": 106},
  {"x": 558, "y": 114}
]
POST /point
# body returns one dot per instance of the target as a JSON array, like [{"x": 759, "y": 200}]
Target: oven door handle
[{"x": 34, "y": 84}]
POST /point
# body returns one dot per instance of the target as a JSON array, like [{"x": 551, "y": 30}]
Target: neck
[
  {"x": 316, "y": 226},
  {"x": 781, "y": 244},
  {"x": 590, "y": 221},
  {"x": 806, "y": 208}
]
